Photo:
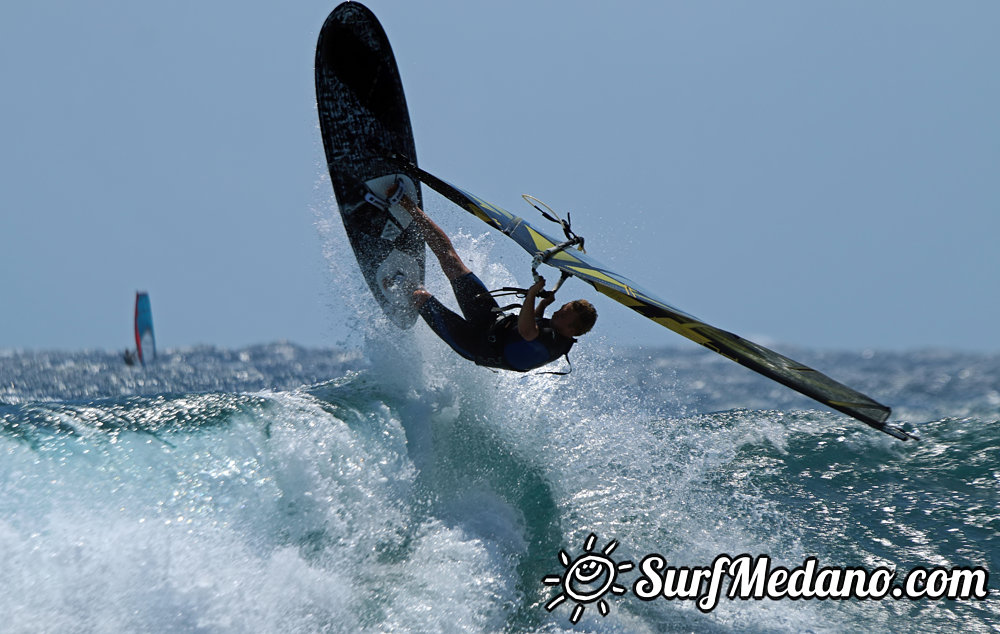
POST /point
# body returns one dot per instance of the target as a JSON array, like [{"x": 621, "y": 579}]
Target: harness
[{"x": 503, "y": 323}]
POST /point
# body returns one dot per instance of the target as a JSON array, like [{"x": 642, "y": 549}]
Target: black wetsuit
[{"x": 480, "y": 337}]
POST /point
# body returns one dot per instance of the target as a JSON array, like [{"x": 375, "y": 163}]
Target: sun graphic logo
[{"x": 587, "y": 578}]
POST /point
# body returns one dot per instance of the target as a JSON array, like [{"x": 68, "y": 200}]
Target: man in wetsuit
[{"x": 485, "y": 336}]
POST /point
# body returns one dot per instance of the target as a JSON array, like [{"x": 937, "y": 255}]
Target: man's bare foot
[{"x": 404, "y": 200}]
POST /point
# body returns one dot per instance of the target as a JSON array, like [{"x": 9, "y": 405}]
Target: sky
[{"x": 816, "y": 174}]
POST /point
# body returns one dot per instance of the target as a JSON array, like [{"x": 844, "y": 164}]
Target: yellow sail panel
[
  {"x": 681, "y": 326},
  {"x": 595, "y": 275},
  {"x": 541, "y": 242}
]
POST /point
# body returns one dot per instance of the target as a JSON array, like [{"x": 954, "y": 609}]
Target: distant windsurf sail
[
  {"x": 145, "y": 342},
  {"x": 792, "y": 374}
]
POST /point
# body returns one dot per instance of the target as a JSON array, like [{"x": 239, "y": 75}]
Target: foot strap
[{"x": 384, "y": 203}]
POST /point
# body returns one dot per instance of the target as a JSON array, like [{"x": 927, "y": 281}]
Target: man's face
[{"x": 564, "y": 321}]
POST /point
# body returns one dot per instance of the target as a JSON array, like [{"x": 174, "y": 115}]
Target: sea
[
  {"x": 396, "y": 488},
  {"x": 387, "y": 485}
]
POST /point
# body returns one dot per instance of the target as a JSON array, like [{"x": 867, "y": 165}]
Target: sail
[
  {"x": 769, "y": 363},
  {"x": 145, "y": 342}
]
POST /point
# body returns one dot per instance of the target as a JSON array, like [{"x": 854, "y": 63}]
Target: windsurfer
[{"x": 519, "y": 342}]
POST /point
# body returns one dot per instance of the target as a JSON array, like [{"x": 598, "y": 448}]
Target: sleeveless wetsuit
[{"x": 485, "y": 337}]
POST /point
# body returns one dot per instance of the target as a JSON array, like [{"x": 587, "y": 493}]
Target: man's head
[{"x": 574, "y": 318}]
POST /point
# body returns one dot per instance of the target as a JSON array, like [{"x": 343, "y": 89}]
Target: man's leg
[
  {"x": 437, "y": 240},
  {"x": 465, "y": 336}
]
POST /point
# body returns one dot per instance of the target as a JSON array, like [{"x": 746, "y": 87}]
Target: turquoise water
[{"x": 389, "y": 488}]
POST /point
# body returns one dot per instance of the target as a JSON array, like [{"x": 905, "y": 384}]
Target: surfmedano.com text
[{"x": 755, "y": 578}]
